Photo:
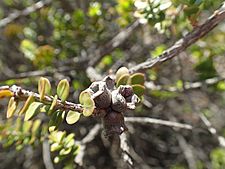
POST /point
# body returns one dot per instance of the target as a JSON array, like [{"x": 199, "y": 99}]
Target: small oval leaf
[
  {"x": 122, "y": 80},
  {"x": 137, "y": 78},
  {"x": 88, "y": 111},
  {"x": 54, "y": 103},
  {"x": 29, "y": 100},
  {"x": 65, "y": 151},
  {"x": 72, "y": 117},
  {"x": 63, "y": 89},
  {"x": 44, "y": 87},
  {"x": 12, "y": 105},
  {"x": 121, "y": 71},
  {"x": 138, "y": 89},
  {"x": 32, "y": 110},
  {"x": 84, "y": 95},
  {"x": 5, "y": 93}
]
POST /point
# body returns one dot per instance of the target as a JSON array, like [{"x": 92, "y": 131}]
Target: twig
[
  {"x": 118, "y": 40},
  {"x": 187, "y": 151},
  {"x": 126, "y": 155},
  {"x": 187, "y": 85},
  {"x": 23, "y": 94},
  {"x": 82, "y": 144},
  {"x": 46, "y": 155},
  {"x": 13, "y": 16},
  {"x": 148, "y": 120},
  {"x": 198, "y": 32}
]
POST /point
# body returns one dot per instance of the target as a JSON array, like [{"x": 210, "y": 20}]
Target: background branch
[{"x": 197, "y": 33}]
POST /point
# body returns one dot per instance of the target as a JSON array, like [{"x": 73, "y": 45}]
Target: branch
[
  {"x": 46, "y": 155},
  {"x": 187, "y": 85},
  {"x": 126, "y": 155},
  {"x": 82, "y": 144},
  {"x": 117, "y": 41},
  {"x": 23, "y": 94},
  {"x": 13, "y": 16},
  {"x": 147, "y": 120},
  {"x": 198, "y": 32}
]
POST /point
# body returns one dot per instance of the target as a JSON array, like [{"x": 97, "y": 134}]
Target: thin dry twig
[
  {"x": 187, "y": 85},
  {"x": 197, "y": 33},
  {"x": 82, "y": 144},
  {"x": 15, "y": 15},
  {"x": 46, "y": 155},
  {"x": 114, "y": 43},
  {"x": 148, "y": 120}
]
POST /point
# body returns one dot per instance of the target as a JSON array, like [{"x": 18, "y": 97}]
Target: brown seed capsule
[
  {"x": 118, "y": 102},
  {"x": 110, "y": 82},
  {"x": 101, "y": 95},
  {"x": 126, "y": 90},
  {"x": 113, "y": 123}
]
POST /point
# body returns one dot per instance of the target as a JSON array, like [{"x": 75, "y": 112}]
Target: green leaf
[
  {"x": 36, "y": 126},
  {"x": 12, "y": 105},
  {"x": 56, "y": 159},
  {"x": 65, "y": 151},
  {"x": 72, "y": 117},
  {"x": 88, "y": 111},
  {"x": 120, "y": 72},
  {"x": 69, "y": 141},
  {"x": 137, "y": 78},
  {"x": 28, "y": 102},
  {"x": 84, "y": 95},
  {"x": 54, "y": 102},
  {"x": 138, "y": 89},
  {"x": 32, "y": 110},
  {"x": 26, "y": 126},
  {"x": 123, "y": 80},
  {"x": 56, "y": 120},
  {"x": 28, "y": 48},
  {"x": 57, "y": 136},
  {"x": 55, "y": 147},
  {"x": 44, "y": 87},
  {"x": 87, "y": 102},
  {"x": 63, "y": 89},
  {"x": 191, "y": 10}
]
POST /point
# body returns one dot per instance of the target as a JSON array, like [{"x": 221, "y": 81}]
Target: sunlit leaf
[
  {"x": 32, "y": 110},
  {"x": 54, "y": 103},
  {"x": 65, "y": 151},
  {"x": 29, "y": 100},
  {"x": 5, "y": 93},
  {"x": 84, "y": 95},
  {"x": 120, "y": 72},
  {"x": 72, "y": 117},
  {"x": 87, "y": 102},
  {"x": 55, "y": 147},
  {"x": 44, "y": 87},
  {"x": 28, "y": 48},
  {"x": 57, "y": 136},
  {"x": 63, "y": 89},
  {"x": 12, "y": 105}
]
